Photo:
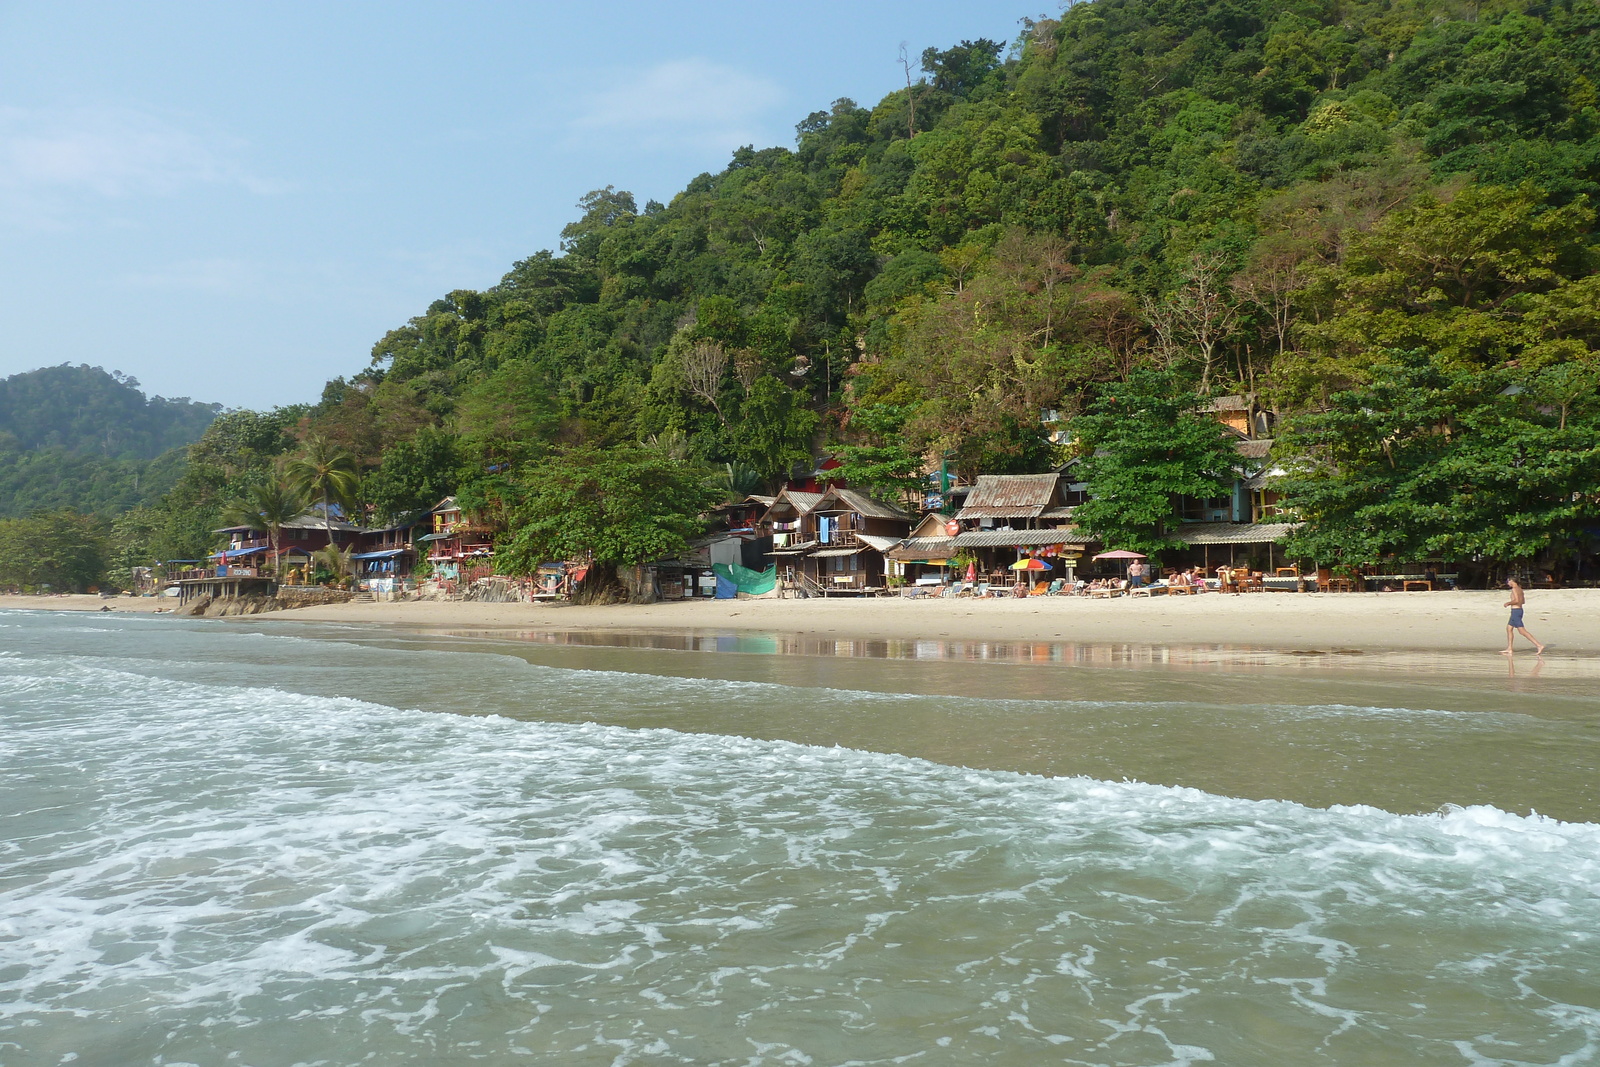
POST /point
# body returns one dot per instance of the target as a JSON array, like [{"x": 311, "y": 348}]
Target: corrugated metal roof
[
  {"x": 852, "y": 550},
  {"x": 1257, "y": 449},
  {"x": 1057, "y": 513},
  {"x": 801, "y": 501},
  {"x": 1009, "y": 496},
  {"x": 945, "y": 547},
  {"x": 307, "y": 521},
  {"x": 861, "y": 504},
  {"x": 794, "y": 550},
  {"x": 925, "y": 548},
  {"x": 1021, "y": 538},
  {"x": 1234, "y": 533},
  {"x": 882, "y": 544}
]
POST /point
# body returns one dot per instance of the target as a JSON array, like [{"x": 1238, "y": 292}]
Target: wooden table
[
  {"x": 1415, "y": 583},
  {"x": 1341, "y": 585}
]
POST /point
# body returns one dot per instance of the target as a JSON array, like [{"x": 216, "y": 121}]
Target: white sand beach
[{"x": 1568, "y": 620}]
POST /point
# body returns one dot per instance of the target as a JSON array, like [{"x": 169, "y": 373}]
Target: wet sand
[{"x": 1568, "y": 620}]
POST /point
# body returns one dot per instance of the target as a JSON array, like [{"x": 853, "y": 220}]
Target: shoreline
[{"x": 1568, "y": 620}]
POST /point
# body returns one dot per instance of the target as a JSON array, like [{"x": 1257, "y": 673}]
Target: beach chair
[{"x": 1056, "y": 587}]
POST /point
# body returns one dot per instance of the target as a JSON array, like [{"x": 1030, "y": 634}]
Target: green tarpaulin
[{"x": 733, "y": 579}]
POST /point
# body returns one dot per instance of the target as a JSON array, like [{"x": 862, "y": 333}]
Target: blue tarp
[
  {"x": 237, "y": 552},
  {"x": 385, "y": 554}
]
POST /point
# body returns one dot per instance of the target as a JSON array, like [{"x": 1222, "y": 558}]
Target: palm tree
[
  {"x": 266, "y": 506},
  {"x": 736, "y": 481},
  {"x": 337, "y": 561},
  {"x": 327, "y": 471}
]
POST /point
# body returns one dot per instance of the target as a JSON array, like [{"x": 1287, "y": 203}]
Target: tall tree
[
  {"x": 56, "y": 550},
  {"x": 1146, "y": 443},
  {"x": 266, "y": 505},
  {"x": 621, "y": 506},
  {"x": 1435, "y": 459},
  {"x": 326, "y": 472}
]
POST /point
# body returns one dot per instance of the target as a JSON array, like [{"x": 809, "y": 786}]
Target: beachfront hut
[
  {"x": 907, "y": 559},
  {"x": 1011, "y": 515},
  {"x": 384, "y": 555},
  {"x": 249, "y": 551},
  {"x": 1063, "y": 547},
  {"x": 1254, "y": 544},
  {"x": 852, "y": 531},
  {"x": 459, "y": 544},
  {"x": 784, "y": 521}
]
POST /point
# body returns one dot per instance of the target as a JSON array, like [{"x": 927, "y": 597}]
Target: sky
[{"x": 233, "y": 202}]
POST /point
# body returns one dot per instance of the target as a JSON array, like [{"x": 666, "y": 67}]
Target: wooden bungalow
[
  {"x": 848, "y": 534},
  {"x": 1008, "y": 516},
  {"x": 459, "y": 545},
  {"x": 784, "y": 521},
  {"x": 249, "y": 549},
  {"x": 385, "y": 555}
]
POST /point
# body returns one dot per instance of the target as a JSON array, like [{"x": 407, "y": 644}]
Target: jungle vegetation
[{"x": 1378, "y": 216}]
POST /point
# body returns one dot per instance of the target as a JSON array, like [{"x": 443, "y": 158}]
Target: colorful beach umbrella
[
  {"x": 1120, "y": 554},
  {"x": 1031, "y": 564}
]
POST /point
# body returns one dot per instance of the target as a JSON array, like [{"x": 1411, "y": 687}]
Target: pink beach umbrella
[{"x": 1125, "y": 556}]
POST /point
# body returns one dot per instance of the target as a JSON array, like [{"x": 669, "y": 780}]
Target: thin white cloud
[
  {"x": 216, "y": 276},
  {"x": 686, "y": 101},
  {"x": 50, "y": 159}
]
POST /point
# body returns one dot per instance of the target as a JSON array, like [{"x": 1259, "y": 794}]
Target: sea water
[{"x": 232, "y": 845}]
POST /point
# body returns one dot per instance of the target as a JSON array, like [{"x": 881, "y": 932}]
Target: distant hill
[
  {"x": 82, "y": 438},
  {"x": 84, "y": 410}
]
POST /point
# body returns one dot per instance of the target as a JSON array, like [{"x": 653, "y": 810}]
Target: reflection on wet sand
[{"x": 1217, "y": 657}]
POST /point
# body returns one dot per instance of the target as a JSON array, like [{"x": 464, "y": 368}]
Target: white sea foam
[{"x": 324, "y": 880}]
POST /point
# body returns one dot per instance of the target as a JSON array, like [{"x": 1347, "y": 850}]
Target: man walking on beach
[{"x": 1514, "y": 625}]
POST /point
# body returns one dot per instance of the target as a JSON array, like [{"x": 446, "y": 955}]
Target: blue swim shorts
[{"x": 1516, "y": 618}]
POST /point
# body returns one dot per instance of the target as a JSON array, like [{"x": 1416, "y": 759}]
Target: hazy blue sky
[{"x": 233, "y": 202}]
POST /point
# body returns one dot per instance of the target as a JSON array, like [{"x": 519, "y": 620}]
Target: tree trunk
[
  {"x": 639, "y": 582},
  {"x": 600, "y": 586}
]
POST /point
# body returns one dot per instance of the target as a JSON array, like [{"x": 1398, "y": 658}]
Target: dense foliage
[
  {"x": 1144, "y": 444},
  {"x": 84, "y": 410},
  {"x": 53, "y": 551},
  {"x": 1236, "y": 194},
  {"x": 78, "y": 437}
]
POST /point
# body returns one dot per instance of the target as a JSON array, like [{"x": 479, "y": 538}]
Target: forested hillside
[
  {"x": 1378, "y": 217},
  {"x": 78, "y": 437},
  {"x": 86, "y": 411}
]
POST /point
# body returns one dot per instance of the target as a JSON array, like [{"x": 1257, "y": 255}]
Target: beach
[{"x": 1568, "y": 620}]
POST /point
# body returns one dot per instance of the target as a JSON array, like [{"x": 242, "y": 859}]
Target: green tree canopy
[
  {"x": 618, "y": 506},
  {"x": 61, "y": 551},
  {"x": 1436, "y": 459},
  {"x": 1145, "y": 443}
]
